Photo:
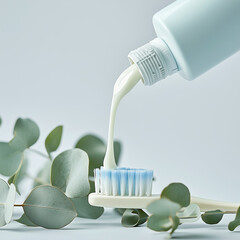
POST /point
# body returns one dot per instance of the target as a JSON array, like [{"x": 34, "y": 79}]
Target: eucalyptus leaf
[
  {"x": 133, "y": 217},
  {"x": 164, "y": 207},
  {"x": 164, "y": 215},
  {"x": 49, "y": 207},
  {"x": 0, "y": 121},
  {"x": 7, "y": 199},
  {"x": 26, "y": 221},
  {"x": 26, "y": 133},
  {"x": 53, "y": 140},
  {"x": 236, "y": 222},
  {"x": 70, "y": 173},
  {"x": 4, "y": 188},
  {"x": 43, "y": 176},
  {"x": 189, "y": 214},
  {"x": 10, "y": 159},
  {"x": 95, "y": 148},
  {"x": 19, "y": 175},
  {"x": 177, "y": 192},
  {"x": 159, "y": 224},
  {"x": 212, "y": 217},
  {"x": 10, "y": 203},
  {"x": 85, "y": 210}
]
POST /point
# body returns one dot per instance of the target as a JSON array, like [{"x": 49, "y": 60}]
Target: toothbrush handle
[{"x": 208, "y": 205}]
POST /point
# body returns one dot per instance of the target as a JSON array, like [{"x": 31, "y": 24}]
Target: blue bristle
[{"x": 124, "y": 181}]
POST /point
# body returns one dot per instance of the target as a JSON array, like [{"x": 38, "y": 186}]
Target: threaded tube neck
[{"x": 154, "y": 60}]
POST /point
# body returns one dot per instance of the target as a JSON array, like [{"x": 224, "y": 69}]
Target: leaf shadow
[{"x": 192, "y": 236}]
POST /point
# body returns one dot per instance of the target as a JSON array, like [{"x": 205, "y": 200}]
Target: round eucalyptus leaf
[
  {"x": 4, "y": 188},
  {"x": 49, "y": 207},
  {"x": 10, "y": 159},
  {"x": 19, "y": 175},
  {"x": 10, "y": 203},
  {"x": 164, "y": 207},
  {"x": 177, "y": 192},
  {"x": 26, "y": 133},
  {"x": 236, "y": 222},
  {"x": 43, "y": 176},
  {"x": 133, "y": 217},
  {"x": 159, "y": 224},
  {"x": 70, "y": 173},
  {"x": 189, "y": 214},
  {"x": 85, "y": 210},
  {"x": 53, "y": 139},
  {"x": 212, "y": 217},
  {"x": 26, "y": 221},
  {"x": 95, "y": 148},
  {"x": 130, "y": 218}
]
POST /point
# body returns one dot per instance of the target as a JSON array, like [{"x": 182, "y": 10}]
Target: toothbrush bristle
[{"x": 123, "y": 182}]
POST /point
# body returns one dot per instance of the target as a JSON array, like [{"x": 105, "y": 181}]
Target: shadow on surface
[{"x": 193, "y": 236}]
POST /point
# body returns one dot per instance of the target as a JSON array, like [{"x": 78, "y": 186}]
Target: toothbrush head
[{"x": 123, "y": 182}]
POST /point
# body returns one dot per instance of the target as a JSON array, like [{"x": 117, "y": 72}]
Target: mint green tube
[{"x": 197, "y": 34}]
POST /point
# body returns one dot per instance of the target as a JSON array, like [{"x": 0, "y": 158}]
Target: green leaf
[
  {"x": 4, "y": 188},
  {"x": 26, "y": 133},
  {"x": 95, "y": 148},
  {"x": 49, "y": 207},
  {"x": 236, "y": 222},
  {"x": 53, "y": 140},
  {"x": 163, "y": 216},
  {"x": 43, "y": 176},
  {"x": 85, "y": 210},
  {"x": 0, "y": 121},
  {"x": 10, "y": 159},
  {"x": 177, "y": 192},
  {"x": 19, "y": 175},
  {"x": 164, "y": 207},
  {"x": 26, "y": 221},
  {"x": 133, "y": 217},
  {"x": 159, "y": 224},
  {"x": 70, "y": 173},
  {"x": 212, "y": 217},
  {"x": 7, "y": 199},
  {"x": 189, "y": 214},
  {"x": 10, "y": 203}
]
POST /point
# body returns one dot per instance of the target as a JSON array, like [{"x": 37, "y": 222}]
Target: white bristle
[
  {"x": 123, "y": 182},
  {"x": 137, "y": 183},
  {"x": 97, "y": 178},
  {"x": 149, "y": 183},
  {"x": 143, "y": 183},
  {"x": 131, "y": 178},
  {"x": 115, "y": 181}
]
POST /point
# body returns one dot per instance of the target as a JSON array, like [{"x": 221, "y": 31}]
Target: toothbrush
[{"x": 131, "y": 188}]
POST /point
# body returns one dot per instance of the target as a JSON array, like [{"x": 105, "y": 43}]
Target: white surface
[{"x": 109, "y": 227}]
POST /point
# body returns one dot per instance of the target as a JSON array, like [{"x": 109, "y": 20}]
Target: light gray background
[{"x": 59, "y": 61}]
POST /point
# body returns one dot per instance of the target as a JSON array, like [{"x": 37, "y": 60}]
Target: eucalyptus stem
[
  {"x": 18, "y": 205},
  {"x": 39, "y": 153}
]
